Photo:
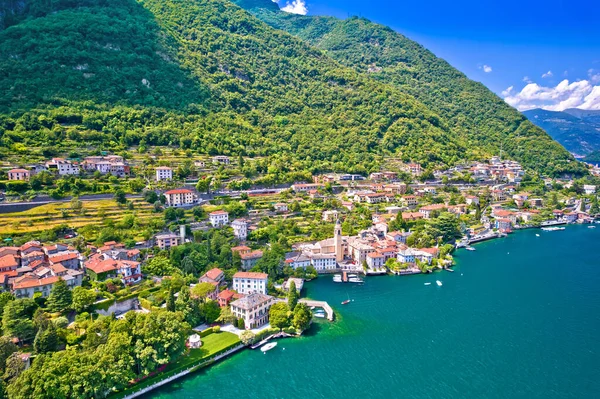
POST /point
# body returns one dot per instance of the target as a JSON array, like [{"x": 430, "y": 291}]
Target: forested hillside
[
  {"x": 470, "y": 110},
  {"x": 207, "y": 75}
]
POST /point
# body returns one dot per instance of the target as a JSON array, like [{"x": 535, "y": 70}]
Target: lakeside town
[{"x": 228, "y": 260}]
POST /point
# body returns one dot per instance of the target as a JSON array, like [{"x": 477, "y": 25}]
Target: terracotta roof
[
  {"x": 374, "y": 255},
  {"x": 432, "y": 251},
  {"x": 18, "y": 171},
  {"x": 57, "y": 258},
  {"x": 58, "y": 268},
  {"x": 30, "y": 244},
  {"x": 33, "y": 254},
  {"x": 219, "y": 213},
  {"x": 33, "y": 282},
  {"x": 252, "y": 255},
  {"x": 178, "y": 191},
  {"x": 8, "y": 261},
  {"x": 226, "y": 294},
  {"x": 261, "y": 276},
  {"x": 37, "y": 263},
  {"x": 433, "y": 207},
  {"x": 214, "y": 273},
  {"x": 240, "y": 248},
  {"x": 412, "y": 215}
]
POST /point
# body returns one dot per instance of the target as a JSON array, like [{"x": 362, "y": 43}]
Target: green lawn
[{"x": 211, "y": 344}]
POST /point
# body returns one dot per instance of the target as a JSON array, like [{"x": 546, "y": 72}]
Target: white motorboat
[
  {"x": 337, "y": 278},
  {"x": 438, "y": 282},
  {"x": 470, "y": 249},
  {"x": 319, "y": 315},
  {"x": 537, "y": 235},
  {"x": 591, "y": 227},
  {"x": 427, "y": 284},
  {"x": 268, "y": 346},
  {"x": 355, "y": 280}
]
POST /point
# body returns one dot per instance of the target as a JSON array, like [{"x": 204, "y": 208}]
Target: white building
[
  {"x": 250, "y": 282},
  {"x": 240, "y": 229},
  {"x": 253, "y": 309},
  {"x": 180, "y": 197},
  {"x": 281, "y": 207},
  {"x": 218, "y": 218},
  {"x": 222, "y": 159},
  {"x": 324, "y": 262},
  {"x": 63, "y": 167},
  {"x": 589, "y": 189},
  {"x": 164, "y": 241},
  {"x": 407, "y": 255},
  {"x": 164, "y": 173},
  {"x": 375, "y": 261}
]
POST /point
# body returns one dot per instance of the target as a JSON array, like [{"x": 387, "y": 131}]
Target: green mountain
[
  {"x": 472, "y": 112},
  {"x": 207, "y": 75},
  {"x": 577, "y": 130}
]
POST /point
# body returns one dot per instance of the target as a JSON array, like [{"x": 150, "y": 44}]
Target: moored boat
[
  {"x": 268, "y": 346},
  {"x": 438, "y": 282}
]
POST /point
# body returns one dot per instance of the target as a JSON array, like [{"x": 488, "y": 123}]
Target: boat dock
[
  {"x": 479, "y": 238},
  {"x": 319, "y": 304},
  {"x": 272, "y": 336}
]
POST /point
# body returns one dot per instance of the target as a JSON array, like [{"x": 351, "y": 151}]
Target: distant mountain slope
[
  {"x": 471, "y": 111},
  {"x": 206, "y": 74},
  {"x": 577, "y": 130}
]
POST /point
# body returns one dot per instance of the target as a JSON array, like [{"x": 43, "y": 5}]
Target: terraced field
[{"x": 51, "y": 215}]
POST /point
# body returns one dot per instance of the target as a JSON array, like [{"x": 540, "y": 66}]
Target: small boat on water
[
  {"x": 470, "y": 248},
  {"x": 591, "y": 227},
  {"x": 427, "y": 284},
  {"x": 337, "y": 278},
  {"x": 347, "y": 301},
  {"x": 355, "y": 280},
  {"x": 320, "y": 315},
  {"x": 449, "y": 270},
  {"x": 268, "y": 347},
  {"x": 537, "y": 235},
  {"x": 438, "y": 282}
]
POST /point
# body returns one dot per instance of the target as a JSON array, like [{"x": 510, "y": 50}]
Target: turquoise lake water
[{"x": 519, "y": 318}]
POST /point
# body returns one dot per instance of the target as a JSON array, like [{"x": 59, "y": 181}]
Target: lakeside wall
[{"x": 185, "y": 372}]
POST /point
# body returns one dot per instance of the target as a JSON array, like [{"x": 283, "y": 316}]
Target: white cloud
[
  {"x": 548, "y": 74},
  {"x": 295, "y": 7},
  {"x": 526, "y": 79},
  {"x": 594, "y": 75},
  {"x": 485, "y": 68},
  {"x": 581, "y": 94},
  {"x": 508, "y": 91}
]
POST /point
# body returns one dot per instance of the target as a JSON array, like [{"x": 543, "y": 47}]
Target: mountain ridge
[
  {"x": 391, "y": 57},
  {"x": 207, "y": 74},
  {"x": 577, "y": 130}
]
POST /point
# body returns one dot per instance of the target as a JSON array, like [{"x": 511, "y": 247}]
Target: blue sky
[{"x": 501, "y": 44}]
